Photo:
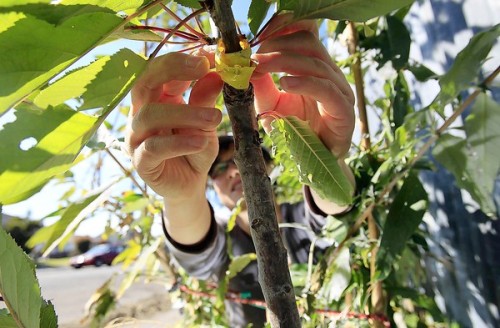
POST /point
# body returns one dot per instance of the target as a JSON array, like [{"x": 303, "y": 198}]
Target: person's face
[{"x": 226, "y": 179}]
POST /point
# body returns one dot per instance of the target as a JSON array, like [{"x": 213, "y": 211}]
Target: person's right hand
[{"x": 173, "y": 144}]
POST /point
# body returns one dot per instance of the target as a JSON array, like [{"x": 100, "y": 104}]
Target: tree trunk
[{"x": 274, "y": 276}]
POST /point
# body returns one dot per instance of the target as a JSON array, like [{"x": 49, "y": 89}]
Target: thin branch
[
  {"x": 127, "y": 173},
  {"x": 178, "y": 19},
  {"x": 175, "y": 29},
  {"x": 352, "y": 44}
]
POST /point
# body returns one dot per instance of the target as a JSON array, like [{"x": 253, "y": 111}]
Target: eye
[{"x": 219, "y": 169}]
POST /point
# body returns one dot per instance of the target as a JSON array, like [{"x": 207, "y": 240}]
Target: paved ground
[{"x": 146, "y": 305}]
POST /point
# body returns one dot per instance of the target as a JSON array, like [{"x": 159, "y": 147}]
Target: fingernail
[{"x": 193, "y": 61}]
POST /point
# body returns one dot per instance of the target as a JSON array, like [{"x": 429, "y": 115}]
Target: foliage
[{"x": 59, "y": 111}]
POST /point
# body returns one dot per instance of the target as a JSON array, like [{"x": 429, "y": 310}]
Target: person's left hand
[{"x": 314, "y": 88}]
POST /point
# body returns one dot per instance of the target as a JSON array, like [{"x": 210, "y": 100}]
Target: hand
[
  {"x": 315, "y": 89},
  {"x": 173, "y": 144}
]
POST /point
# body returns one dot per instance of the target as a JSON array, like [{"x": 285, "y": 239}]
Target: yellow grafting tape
[{"x": 235, "y": 68}]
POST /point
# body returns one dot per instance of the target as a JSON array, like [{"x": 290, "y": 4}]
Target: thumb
[{"x": 206, "y": 90}]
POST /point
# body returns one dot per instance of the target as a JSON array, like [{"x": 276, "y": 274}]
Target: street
[{"x": 70, "y": 289}]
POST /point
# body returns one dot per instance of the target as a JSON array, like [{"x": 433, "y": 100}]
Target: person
[{"x": 175, "y": 149}]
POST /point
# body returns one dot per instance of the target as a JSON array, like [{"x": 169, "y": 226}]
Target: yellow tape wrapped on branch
[{"x": 235, "y": 68}]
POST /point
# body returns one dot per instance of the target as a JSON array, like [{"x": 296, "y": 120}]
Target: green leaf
[
  {"x": 138, "y": 266},
  {"x": 466, "y": 66},
  {"x": 18, "y": 284},
  {"x": 72, "y": 217},
  {"x": 100, "y": 303},
  {"x": 401, "y": 106},
  {"x": 405, "y": 214},
  {"x": 135, "y": 205},
  {"x": 256, "y": 14},
  {"x": 128, "y": 6},
  {"x": 195, "y": 4},
  {"x": 59, "y": 134},
  {"x": 338, "y": 276},
  {"x": 352, "y": 10},
  {"x": 33, "y": 50},
  {"x": 136, "y": 35},
  {"x": 100, "y": 84},
  {"x": 48, "y": 317},
  {"x": 40, "y": 236},
  {"x": 474, "y": 161},
  {"x": 399, "y": 41},
  {"x": 422, "y": 73},
  {"x": 316, "y": 165},
  {"x": 238, "y": 263},
  {"x": 6, "y": 320}
]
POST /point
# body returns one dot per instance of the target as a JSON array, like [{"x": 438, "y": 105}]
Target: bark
[{"x": 274, "y": 276}]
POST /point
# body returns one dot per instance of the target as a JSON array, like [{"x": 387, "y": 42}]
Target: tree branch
[{"x": 272, "y": 259}]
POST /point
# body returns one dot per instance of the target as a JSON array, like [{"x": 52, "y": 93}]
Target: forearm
[
  {"x": 187, "y": 221},
  {"x": 329, "y": 207}
]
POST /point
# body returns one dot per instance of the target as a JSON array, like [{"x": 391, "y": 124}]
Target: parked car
[{"x": 97, "y": 256}]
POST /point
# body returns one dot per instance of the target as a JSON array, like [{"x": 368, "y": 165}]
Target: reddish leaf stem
[
  {"x": 178, "y": 19},
  {"x": 175, "y": 29}
]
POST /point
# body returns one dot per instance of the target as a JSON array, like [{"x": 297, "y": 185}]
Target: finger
[
  {"x": 206, "y": 90},
  {"x": 159, "y": 118},
  {"x": 300, "y": 65},
  {"x": 208, "y": 52},
  {"x": 303, "y": 42},
  {"x": 156, "y": 149},
  {"x": 284, "y": 24},
  {"x": 164, "y": 70}
]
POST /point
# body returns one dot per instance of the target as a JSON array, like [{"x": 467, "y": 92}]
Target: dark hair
[{"x": 226, "y": 142}]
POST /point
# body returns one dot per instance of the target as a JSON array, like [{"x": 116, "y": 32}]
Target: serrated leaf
[
  {"x": 352, "y": 10},
  {"x": 48, "y": 317},
  {"x": 32, "y": 50},
  {"x": 18, "y": 284},
  {"x": 100, "y": 84},
  {"x": 405, "y": 215},
  {"x": 466, "y": 66},
  {"x": 239, "y": 263},
  {"x": 72, "y": 217},
  {"x": 316, "y": 165},
  {"x": 338, "y": 276},
  {"x": 474, "y": 161},
  {"x": 256, "y": 14},
  {"x": 59, "y": 133}
]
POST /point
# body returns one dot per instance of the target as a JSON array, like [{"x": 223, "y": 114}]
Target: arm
[
  {"x": 314, "y": 90},
  {"x": 173, "y": 144}
]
